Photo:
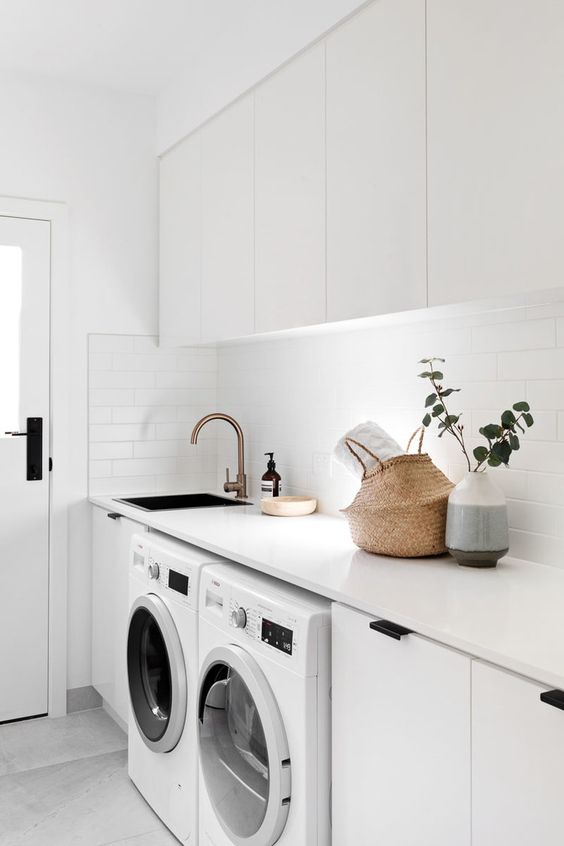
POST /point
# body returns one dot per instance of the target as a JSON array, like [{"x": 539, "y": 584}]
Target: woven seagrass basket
[{"x": 400, "y": 509}]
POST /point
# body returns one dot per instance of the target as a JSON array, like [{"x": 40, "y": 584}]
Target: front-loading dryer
[
  {"x": 263, "y": 711},
  {"x": 162, "y": 667}
]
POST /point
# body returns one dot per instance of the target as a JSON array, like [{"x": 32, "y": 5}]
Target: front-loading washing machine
[
  {"x": 162, "y": 667},
  {"x": 263, "y": 711}
]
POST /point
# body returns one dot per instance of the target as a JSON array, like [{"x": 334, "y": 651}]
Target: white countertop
[{"x": 512, "y": 616}]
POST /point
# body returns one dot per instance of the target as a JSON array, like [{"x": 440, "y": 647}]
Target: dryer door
[
  {"x": 156, "y": 673},
  {"x": 243, "y": 748}
]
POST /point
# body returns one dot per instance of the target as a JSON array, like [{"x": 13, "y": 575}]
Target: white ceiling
[{"x": 129, "y": 45}]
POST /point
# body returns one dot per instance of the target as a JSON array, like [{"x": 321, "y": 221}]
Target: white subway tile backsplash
[
  {"x": 107, "y": 449},
  {"x": 518, "y": 335},
  {"x": 122, "y": 432},
  {"x": 532, "y": 364},
  {"x": 144, "y": 402},
  {"x": 147, "y": 363},
  {"x": 121, "y": 379},
  {"x": 100, "y": 361},
  {"x": 546, "y": 394},
  {"x": 144, "y": 414},
  {"x": 111, "y": 343},
  {"x": 111, "y": 396},
  {"x": 101, "y": 414},
  {"x": 298, "y": 395}
]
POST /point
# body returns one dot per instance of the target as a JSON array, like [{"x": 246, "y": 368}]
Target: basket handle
[
  {"x": 349, "y": 441},
  {"x": 421, "y": 429}
]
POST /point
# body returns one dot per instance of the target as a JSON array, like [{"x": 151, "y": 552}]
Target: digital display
[
  {"x": 277, "y": 636},
  {"x": 178, "y": 582}
]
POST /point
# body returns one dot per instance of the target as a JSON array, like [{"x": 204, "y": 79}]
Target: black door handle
[
  {"x": 554, "y": 698},
  {"x": 113, "y": 515},
  {"x": 34, "y": 437},
  {"x": 390, "y": 629}
]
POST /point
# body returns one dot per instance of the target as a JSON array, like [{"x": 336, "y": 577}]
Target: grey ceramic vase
[{"x": 477, "y": 533}]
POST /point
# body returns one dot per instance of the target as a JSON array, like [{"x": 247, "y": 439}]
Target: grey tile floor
[{"x": 64, "y": 782}]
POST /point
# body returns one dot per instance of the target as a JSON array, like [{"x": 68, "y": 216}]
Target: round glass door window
[
  {"x": 154, "y": 685},
  {"x": 233, "y": 751}
]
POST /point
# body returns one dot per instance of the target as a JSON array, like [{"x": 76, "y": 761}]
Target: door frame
[{"x": 56, "y": 214}]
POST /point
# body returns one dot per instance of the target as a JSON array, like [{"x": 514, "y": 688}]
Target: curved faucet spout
[{"x": 240, "y": 486}]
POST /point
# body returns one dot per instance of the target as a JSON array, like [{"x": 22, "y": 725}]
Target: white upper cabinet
[
  {"x": 496, "y": 147},
  {"x": 180, "y": 244},
  {"x": 290, "y": 195},
  {"x": 517, "y": 773},
  {"x": 376, "y": 239},
  {"x": 227, "y": 224},
  {"x": 401, "y": 738}
]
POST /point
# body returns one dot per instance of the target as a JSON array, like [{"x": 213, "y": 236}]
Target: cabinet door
[
  {"x": 376, "y": 194},
  {"x": 227, "y": 224},
  {"x": 496, "y": 147},
  {"x": 401, "y": 738},
  {"x": 180, "y": 244},
  {"x": 517, "y": 773},
  {"x": 290, "y": 196},
  {"x": 111, "y": 540}
]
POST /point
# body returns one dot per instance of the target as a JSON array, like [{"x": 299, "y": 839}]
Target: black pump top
[{"x": 271, "y": 461}]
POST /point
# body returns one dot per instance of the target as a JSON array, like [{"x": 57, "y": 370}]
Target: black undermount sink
[{"x": 175, "y": 501}]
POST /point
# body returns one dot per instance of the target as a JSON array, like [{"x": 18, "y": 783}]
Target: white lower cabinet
[
  {"x": 111, "y": 537},
  {"x": 517, "y": 754},
  {"x": 401, "y": 738}
]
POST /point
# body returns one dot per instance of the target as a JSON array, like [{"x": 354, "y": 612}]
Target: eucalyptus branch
[{"x": 502, "y": 437}]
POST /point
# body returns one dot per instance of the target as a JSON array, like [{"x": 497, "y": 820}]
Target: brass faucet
[{"x": 241, "y": 484}]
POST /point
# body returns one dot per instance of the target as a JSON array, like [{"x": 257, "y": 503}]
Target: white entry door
[{"x": 24, "y": 466}]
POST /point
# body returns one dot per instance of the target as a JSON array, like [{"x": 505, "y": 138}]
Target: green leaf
[
  {"x": 425, "y": 360},
  {"x": 480, "y": 453},
  {"x": 528, "y": 418},
  {"x": 441, "y": 433},
  {"x": 430, "y": 400},
  {"x": 519, "y": 426},
  {"x": 451, "y": 419},
  {"x": 502, "y": 450},
  {"x": 426, "y": 420},
  {"x": 491, "y": 431},
  {"x": 521, "y": 406},
  {"x": 494, "y": 461},
  {"x": 449, "y": 391},
  {"x": 507, "y": 419},
  {"x": 514, "y": 442},
  {"x": 438, "y": 409},
  {"x": 425, "y": 375},
  {"x": 436, "y": 375}
]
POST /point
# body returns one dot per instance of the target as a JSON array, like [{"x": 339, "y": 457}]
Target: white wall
[
  {"x": 299, "y": 395},
  {"x": 262, "y": 36},
  {"x": 94, "y": 151},
  {"x": 143, "y": 404}
]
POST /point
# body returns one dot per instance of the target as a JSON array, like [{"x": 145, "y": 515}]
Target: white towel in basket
[{"x": 375, "y": 438}]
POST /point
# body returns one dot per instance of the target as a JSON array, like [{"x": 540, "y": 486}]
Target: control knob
[
  {"x": 239, "y": 618},
  {"x": 153, "y": 570}
]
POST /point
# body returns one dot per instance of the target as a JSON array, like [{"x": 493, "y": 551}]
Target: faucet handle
[{"x": 227, "y": 475}]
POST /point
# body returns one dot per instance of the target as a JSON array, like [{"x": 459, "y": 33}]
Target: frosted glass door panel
[{"x": 10, "y": 335}]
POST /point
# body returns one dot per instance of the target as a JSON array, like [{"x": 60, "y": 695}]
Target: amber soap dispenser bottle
[{"x": 271, "y": 483}]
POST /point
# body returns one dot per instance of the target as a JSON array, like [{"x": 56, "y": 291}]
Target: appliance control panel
[
  {"x": 270, "y": 626},
  {"x": 171, "y": 575}
]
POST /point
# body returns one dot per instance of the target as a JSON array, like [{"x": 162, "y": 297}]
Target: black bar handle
[
  {"x": 113, "y": 515},
  {"x": 390, "y": 629},
  {"x": 17, "y": 434},
  {"x": 554, "y": 698}
]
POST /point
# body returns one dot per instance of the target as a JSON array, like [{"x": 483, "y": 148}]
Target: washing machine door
[
  {"x": 243, "y": 748},
  {"x": 156, "y": 673}
]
